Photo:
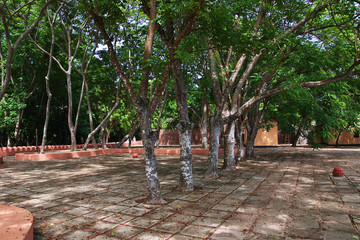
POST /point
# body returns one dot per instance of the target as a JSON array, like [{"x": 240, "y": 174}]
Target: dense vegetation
[{"x": 80, "y": 71}]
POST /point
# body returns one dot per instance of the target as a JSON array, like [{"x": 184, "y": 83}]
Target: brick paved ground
[{"x": 282, "y": 194}]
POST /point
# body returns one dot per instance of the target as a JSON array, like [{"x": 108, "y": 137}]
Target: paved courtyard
[{"x": 284, "y": 193}]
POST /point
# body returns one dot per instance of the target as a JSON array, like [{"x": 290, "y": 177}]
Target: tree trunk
[
  {"x": 47, "y": 117},
  {"x": 222, "y": 139},
  {"x": 294, "y": 140},
  {"x": 184, "y": 128},
  {"x": 215, "y": 130},
  {"x": 338, "y": 138},
  {"x": 186, "y": 174},
  {"x": 149, "y": 139},
  {"x": 103, "y": 123},
  {"x": 103, "y": 134},
  {"x": 91, "y": 123},
  {"x": 70, "y": 111},
  {"x": 79, "y": 105},
  {"x": 239, "y": 133},
  {"x": 17, "y": 126},
  {"x": 250, "y": 142},
  {"x": 229, "y": 158},
  {"x": 129, "y": 135},
  {"x": 204, "y": 123},
  {"x": 47, "y": 84},
  {"x": 8, "y": 142},
  {"x": 255, "y": 118},
  {"x": 298, "y": 132}
]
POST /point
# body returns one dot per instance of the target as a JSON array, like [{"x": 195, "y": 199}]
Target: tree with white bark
[
  {"x": 144, "y": 106},
  {"x": 272, "y": 37}
]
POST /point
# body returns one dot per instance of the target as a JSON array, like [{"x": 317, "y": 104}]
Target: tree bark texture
[
  {"x": 184, "y": 127},
  {"x": 253, "y": 122},
  {"x": 215, "y": 130},
  {"x": 229, "y": 157},
  {"x": 79, "y": 105},
  {"x": 239, "y": 133},
  {"x": 145, "y": 108},
  {"x": 105, "y": 121},
  {"x": 91, "y": 123},
  {"x": 149, "y": 138},
  {"x": 70, "y": 111},
  {"x": 298, "y": 132},
  {"x": 129, "y": 135},
  {"x": 17, "y": 132},
  {"x": 204, "y": 123},
  {"x": 250, "y": 142},
  {"x": 47, "y": 84}
]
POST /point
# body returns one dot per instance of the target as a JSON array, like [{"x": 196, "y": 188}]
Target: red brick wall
[{"x": 170, "y": 137}]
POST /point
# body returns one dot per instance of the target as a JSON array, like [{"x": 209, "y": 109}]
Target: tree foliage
[{"x": 158, "y": 63}]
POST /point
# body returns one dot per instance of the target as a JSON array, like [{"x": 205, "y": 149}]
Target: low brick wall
[
  {"x": 98, "y": 152},
  {"x": 11, "y": 151},
  {"x": 29, "y": 153}
]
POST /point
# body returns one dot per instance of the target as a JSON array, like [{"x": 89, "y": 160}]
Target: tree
[
  {"x": 67, "y": 18},
  {"x": 168, "y": 34},
  {"x": 51, "y": 21},
  {"x": 144, "y": 106},
  {"x": 274, "y": 32},
  {"x": 10, "y": 15}
]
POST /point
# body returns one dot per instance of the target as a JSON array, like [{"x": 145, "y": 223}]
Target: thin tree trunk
[
  {"x": 47, "y": 84},
  {"x": 2, "y": 69},
  {"x": 204, "y": 122},
  {"x": 70, "y": 58},
  {"x": 8, "y": 142},
  {"x": 253, "y": 123},
  {"x": 103, "y": 123},
  {"x": 20, "y": 112},
  {"x": 70, "y": 111},
  {"x": 127, "y": 136},
  {"x": 130, "y": 139},
  {"x": 222, "y": 139},
  {"x": 91, "y": 123},
  {"x": 239, "y": 133},
  {"x": 250, "y": 142},
  {"x": 338, "y": 138},
  {"x": 159, "y": 119},
  {"x": 295, "y": 138},
  {"x": 17, "y": 126},
  {"x": 102, "y": 135},
  {"x": 79, "y": 105},
  {"x": 47, "y": 114},
  {"x": 298, "y": 132},
  {"x": 184, "y": 128},
  {"x": 215, "y": 130}
]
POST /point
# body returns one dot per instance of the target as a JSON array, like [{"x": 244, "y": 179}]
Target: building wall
[
  {"x": 170, "y": 137},
  {"x": 347, "y": 138},
  {"x": 265, "y": 138}
]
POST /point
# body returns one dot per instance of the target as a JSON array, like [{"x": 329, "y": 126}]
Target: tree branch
[
  {"x": 147, "y": 51},
  {"x": 101, "y": 26}
]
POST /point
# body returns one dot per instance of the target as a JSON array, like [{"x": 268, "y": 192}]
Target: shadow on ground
[{"x": 283, "y": 193}]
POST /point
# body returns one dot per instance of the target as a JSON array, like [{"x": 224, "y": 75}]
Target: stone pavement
[{"x": 283, "y": 193}]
